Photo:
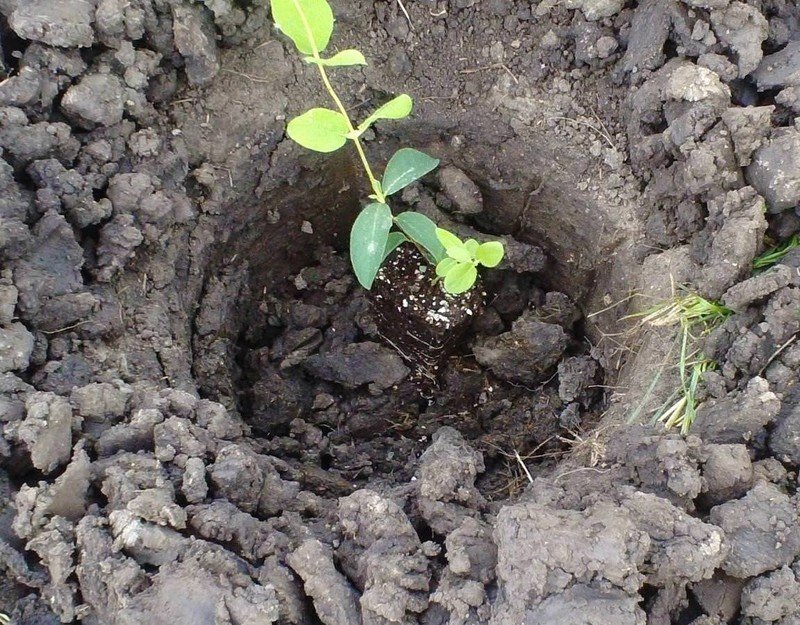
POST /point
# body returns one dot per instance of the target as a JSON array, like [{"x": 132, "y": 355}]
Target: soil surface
[{"x": 205, "y": 420}]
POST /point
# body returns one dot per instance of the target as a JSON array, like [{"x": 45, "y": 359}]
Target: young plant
[
  {"x": 309, "y": 24},
  {"x": 459, "y": 269}
]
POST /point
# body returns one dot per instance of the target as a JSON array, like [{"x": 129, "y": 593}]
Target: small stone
[
  {"x": 194, "y": 39},
  {"x": 21, "y": 89},
  {"x": 550, "y": 41},
  {"x": 693, "y": 83},
  {"x": 772, "y": 597},
  {"x": 605, "y": 46},
  {"x": 359, "y": 363},
  {"x": 719, "y": 596},
  {"x": 323, "y": 401},
  {"x": 525, "y": 353},
  {"x": 101, "y": 401},
  {"x": 758, "y": 288},
  {"x": 597, "y": 9},
  {"x": 8, "y": 302},
  {"x": 775, "y": 170},
  {"x": 707, "y": 4},
  {"x": 462, "y": 191},
  {"x": 194, "y": 486},
  {"x": 790, "y": 98},
  {"x": 784, "y": 440},
  {"x": 46, "y": 431},
  {"x": 752, "y": 528},
  {"x": 727, "y": 473},
  {"x": 749, "y": 127},
  {"x": 744, "y": 29}
]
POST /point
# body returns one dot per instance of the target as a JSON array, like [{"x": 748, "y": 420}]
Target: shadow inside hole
[
  {"x": 537, "y": 208},
  {"x": 278, "y": 234}
]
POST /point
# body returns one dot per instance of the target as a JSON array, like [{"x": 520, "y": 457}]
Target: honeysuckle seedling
[
  {"x": 309, "y": 24},
  {"x": 459, "y": 268}
]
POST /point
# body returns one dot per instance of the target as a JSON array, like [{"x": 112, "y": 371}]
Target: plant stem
[{"x": 376, "y": 187}]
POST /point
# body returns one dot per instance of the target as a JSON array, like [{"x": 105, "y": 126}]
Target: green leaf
[
  {"x": 444, "y": 266},
  {"x": 461, "y": 254},
  {"x": 308, "y": 23},
  {"x": 472, "y": 246},
  {"x": 460, "y": 278},
  {"x": 396, "y": 108},
  {"x": 490, "y": 254},
  {"x": 340, "y": 59},
  {"x": 368, "y": 240},
  {"x": 321, "y": 130},
  {"x": 406, "y": 166},
  {"x": 421, "y": 231},
  {"x": 448, "y": 239},
  {"x": 394, "y": 240}
]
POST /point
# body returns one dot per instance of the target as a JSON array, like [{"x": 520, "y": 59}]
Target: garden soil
[{"x": 202, "y": 420}]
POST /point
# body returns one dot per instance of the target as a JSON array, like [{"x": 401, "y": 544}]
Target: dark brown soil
[{"x": 205, "y": 420}]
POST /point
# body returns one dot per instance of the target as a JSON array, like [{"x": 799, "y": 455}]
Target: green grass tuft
[
  {"x": 773, "y": 255},
  {"x": 696, "y": 316}
]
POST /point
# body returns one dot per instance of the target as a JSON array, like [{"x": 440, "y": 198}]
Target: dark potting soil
[{"x": 417, "y": 317}]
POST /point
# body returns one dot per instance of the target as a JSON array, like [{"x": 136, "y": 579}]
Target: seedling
[
  {"x": 773, "y": 255},
  {"x": 459, "y": 269},
  {"x": 309, "y": 24}
]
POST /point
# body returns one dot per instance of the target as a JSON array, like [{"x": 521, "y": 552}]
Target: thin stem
[
  {"x": 356, "y": 141},
  {"x": 376, "y": 187}
]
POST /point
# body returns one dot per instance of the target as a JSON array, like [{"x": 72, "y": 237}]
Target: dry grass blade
[
  {"x": 687, "y": 309},
  {"x": 524, "y": 467},
  {"x": 611, "y": 306},
  {"x": 590, "y": 448},
  {"x": 777, "y": 353},
  {"x": 683, "y": 412},
  {"x": 405, "y": 12}
]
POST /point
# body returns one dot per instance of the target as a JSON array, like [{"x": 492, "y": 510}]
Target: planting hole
[{"x": 317, "y": 365}]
